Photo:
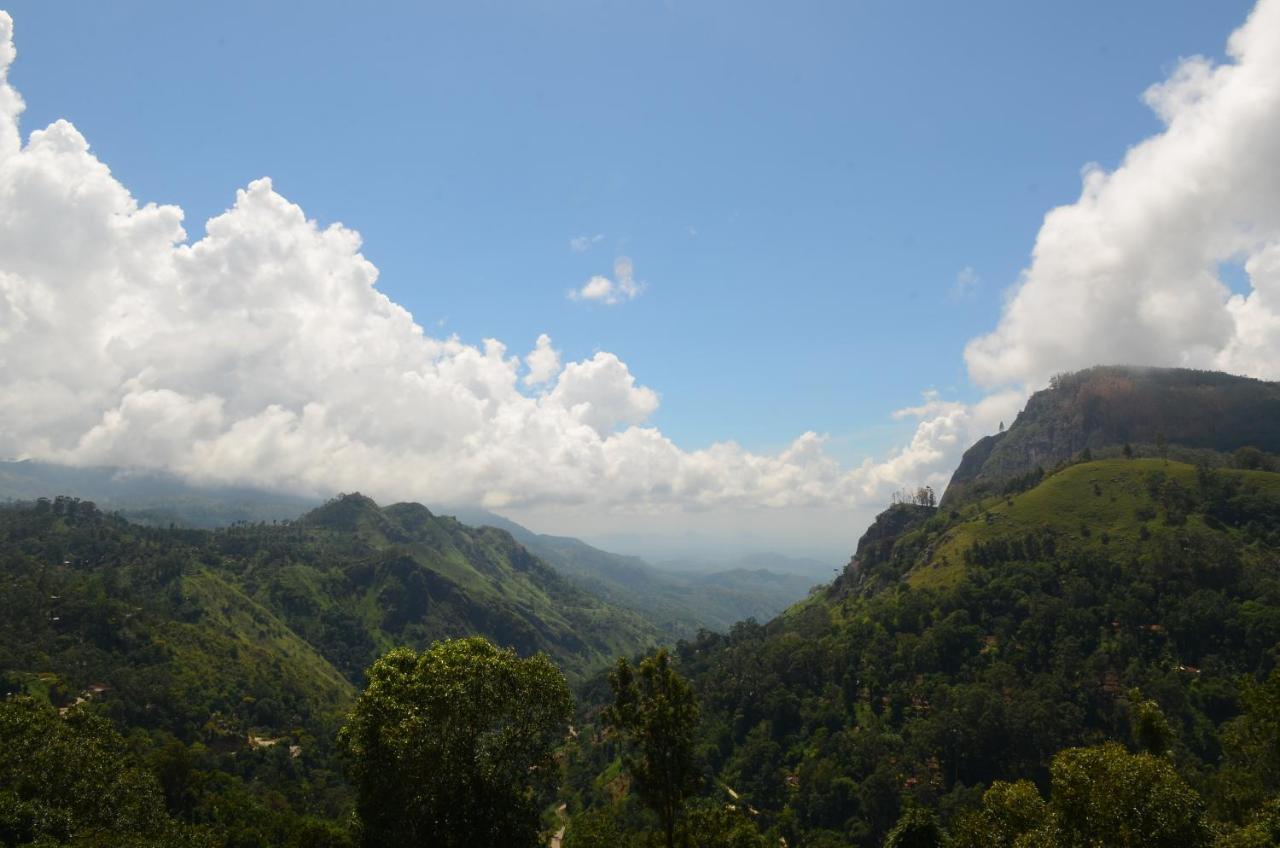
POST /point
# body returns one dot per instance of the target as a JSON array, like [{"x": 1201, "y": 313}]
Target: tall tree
[
  {"x": 448, "y": 747},
  {"x": 655, "y": 713}
]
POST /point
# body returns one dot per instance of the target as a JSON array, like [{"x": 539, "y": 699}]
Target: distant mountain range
[
  {"x": 680, "y": 597},
  {"x": 677, "y": 597}
]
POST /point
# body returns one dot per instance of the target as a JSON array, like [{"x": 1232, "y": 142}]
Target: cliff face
[
  {"x": 1108, "y": 407},
  {"x": 877, "y": 544}
]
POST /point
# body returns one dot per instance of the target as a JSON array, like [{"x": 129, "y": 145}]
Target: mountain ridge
[{"x": 1106, "y": 408}]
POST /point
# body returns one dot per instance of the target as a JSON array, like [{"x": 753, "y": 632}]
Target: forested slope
[
  {"x": 968, "y": 646},
  {"x": 230, "y": 656}
]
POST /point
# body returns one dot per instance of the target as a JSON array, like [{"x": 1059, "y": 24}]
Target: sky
[{"x": 682, "y": 275}]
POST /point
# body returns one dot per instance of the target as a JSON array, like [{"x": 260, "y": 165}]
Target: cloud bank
[{"x": 264, "y": 354}]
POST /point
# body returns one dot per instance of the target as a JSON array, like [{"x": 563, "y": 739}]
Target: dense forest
[
  {"x": 1078, "y": 654},
  {"x": 227, "y": 659}
]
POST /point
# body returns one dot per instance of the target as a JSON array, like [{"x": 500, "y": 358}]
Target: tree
[
  {"x": 1262, "y": 830},
  {"x": 447, "y": 747},
  {"x": 918, "y": 828},
  {"x": 1010, "y": 814},
  {"x": 711, "y": 825},
  {"x": 655, "y": 714},
  {"x": 1106, "y": 796},
  {"x": 1099, "y": 796},
  {"x": 1250, "y": 459},
  {"x": 72, "y": 779},
  {"x": 1151, "y": 730},
  {"x": 1250, "y": 742},
  {"x": 594, "y": 829}
]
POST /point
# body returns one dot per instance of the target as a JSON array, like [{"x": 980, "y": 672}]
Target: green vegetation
[
  {"x": 1114, "y": 628},
  {"x": 72, "y": 780},
  {"x": 448, "y": 747},
  {"x": 655, "y": 713},
  {"x": 1114, "y": 504},
  {"x": 228, "y": 658},
  {"x": 1083, "y": 655}
]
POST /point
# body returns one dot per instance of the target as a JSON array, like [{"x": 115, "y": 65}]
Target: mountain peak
[
  {"x": 1108, "y": 407},
  {"x": 343, "y": 512}
]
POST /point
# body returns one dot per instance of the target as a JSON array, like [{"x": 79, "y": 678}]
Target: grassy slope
[
  {"x": 1108, "y": 497},
  {"x": 242, "y": 645}
]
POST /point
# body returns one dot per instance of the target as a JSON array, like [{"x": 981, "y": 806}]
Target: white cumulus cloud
[
  {"x": 622, "y": 287},
  {"x": 265, "y": 354},
  {"x": 1129, "y": 273},
  {"x": 543, "y": 362}
]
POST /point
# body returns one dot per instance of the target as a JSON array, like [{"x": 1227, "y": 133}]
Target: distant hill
[
  {"x": 677, "y": 600},
  {"x": 1105, "y": 408},
  {"x": 812, "y": 570},
  {"x": 679, "y": 597}
]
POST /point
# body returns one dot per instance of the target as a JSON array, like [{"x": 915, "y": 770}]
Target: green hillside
[
  {"x": 231, "y": 656},
  {"x": 972, "y": 644},
  {"x": 411, "y": 577},
  {"x": 1115, "y": 504}
]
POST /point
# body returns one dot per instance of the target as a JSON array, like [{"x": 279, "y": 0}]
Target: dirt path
[{"x": 559, "y": 834}]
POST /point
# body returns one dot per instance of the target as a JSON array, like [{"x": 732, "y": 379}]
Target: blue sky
[
  {"x": 831, "y": 213},
  {"x": 798, "y": 185}
]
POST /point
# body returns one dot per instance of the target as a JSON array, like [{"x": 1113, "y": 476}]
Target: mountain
[
  {"x": 229, "y": 656},
  {"x": 1124, "y": 600},
  {"x": 677, "y": 603},
  {"x": 680, "y": 598},
  {"x": 1104, "y": 409},
  {"x": 292, "y": 612},
  {"x": 810, "y": 569}
]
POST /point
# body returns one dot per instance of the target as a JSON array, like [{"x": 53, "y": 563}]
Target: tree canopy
[
  {"x": 448, "y": 747},
  {"x": 655, "y": 712}
]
